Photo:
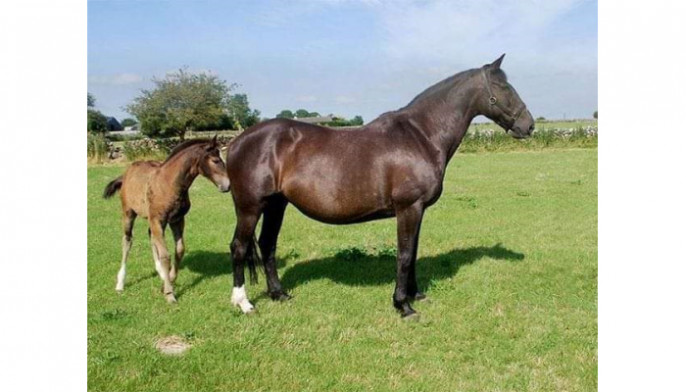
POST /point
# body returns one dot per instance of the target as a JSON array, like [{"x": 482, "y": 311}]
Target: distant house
[
  {"x": 315, "y": 120},
  {"x": 131, "y": 130},
  {"x": 113, "y": 124}
]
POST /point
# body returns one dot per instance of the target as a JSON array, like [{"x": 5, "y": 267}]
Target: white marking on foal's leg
[
  {"x": 121, "y": 275},
  {"x": 240, "y": 299}
]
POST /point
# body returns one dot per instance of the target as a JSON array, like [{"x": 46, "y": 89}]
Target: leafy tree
[
  {"x": 180, "y": 102},
  {"x": 595, "y": 114},
  {"x": 302, "y": 113},
  {"x": 343, "y": 122},
  {"x": 285, "y": 114},
  {"x": 541, "y": 118},
  {"x": 91, "y": 100},
  {"x": 97, "y": 122},
  {"x": 127, "y": 122},
  {"x": 239, "y": 110}
]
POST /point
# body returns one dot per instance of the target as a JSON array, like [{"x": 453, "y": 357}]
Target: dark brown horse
[
  {"x": 394, "y": 166},
  {"x": 158, "y": 191}
]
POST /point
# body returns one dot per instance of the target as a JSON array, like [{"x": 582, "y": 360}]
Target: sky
[{"x": 348, "y": 58}]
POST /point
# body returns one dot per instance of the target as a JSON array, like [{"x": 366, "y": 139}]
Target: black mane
[{"x": 445, "y": 85}]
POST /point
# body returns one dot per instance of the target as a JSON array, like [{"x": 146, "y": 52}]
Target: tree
[
  {"x": 343, "y": 122},
  {"x": 595, "y": 114},
  {"x": 97, "y": 122},
  {"x": 239, "y": 110},
  {"x": 181, "y": 102},
  {"x": 302, "y": 113},
  {"x": 127, "y": 122},
  {"x": 285, "y": 114},
  {"x": 91, "y": 100}
]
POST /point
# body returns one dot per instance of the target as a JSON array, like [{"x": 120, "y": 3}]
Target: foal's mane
[{"x": 185, "y": 145}]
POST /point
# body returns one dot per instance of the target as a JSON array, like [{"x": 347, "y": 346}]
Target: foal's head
[
  {"x": 502, "y": 103},
  {"x": 202, "y": 157},
  {"x": 212, "y": 167}
]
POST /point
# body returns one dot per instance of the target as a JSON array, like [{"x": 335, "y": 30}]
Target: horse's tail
[
  {"x": 112, "y": 187},
  {"x": 254, "y": 259}
]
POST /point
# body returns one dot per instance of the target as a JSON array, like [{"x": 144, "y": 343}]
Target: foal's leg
[
  {"x": 162, "y": 262},
  {"x": 409, "y": 221},
  {"x": 271, "y": 225},
  {"x": 127, "y": 222},
  {"x": 245, "y": 229},
  {"x": 177, "y": 230}
]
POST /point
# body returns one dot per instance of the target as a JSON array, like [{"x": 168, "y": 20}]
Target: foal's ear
[
  {"x": 496, "y": 63},
  {"x": 212, "y": 145}
]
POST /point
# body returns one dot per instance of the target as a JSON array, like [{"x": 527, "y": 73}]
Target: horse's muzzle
[{"x": 224, "y": 187}]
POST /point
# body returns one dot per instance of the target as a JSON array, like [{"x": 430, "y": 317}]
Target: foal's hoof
[
  {"x": 280, "y": 296},
  {"x": 171, "y": 299}
]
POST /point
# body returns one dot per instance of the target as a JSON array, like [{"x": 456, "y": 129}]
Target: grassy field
[{"x": 508, "y": 258}]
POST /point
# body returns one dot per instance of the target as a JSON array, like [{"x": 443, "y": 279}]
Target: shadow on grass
[
  {"x": 353, "y": 267},
  {"x": 374, "y": 270},
  {"x": 207, "y": 264}
]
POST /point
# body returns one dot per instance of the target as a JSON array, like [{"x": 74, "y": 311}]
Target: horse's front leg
[
  {"x": 177, "y": 230},
  {"x": 409, "y": 222},
  {"x": 162, "y": 259}
]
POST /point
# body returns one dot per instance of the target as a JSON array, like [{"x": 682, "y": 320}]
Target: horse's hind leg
[
  {"x": 245, "y": 229},
  {"x": 127, "y": 223},
  {"x": 271, "y": 225},
  {"x": 177, "y": 231},
  {"x": 412, "y": 288}
]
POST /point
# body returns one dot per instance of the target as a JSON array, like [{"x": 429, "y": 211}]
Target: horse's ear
[
  {"x": 213, "y": 144},
  {"x": 496, "y": 63}
]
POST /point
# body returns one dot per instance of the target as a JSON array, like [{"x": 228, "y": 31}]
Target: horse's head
[
  {"x": 212, "y": 166},
  {"x": 502, "y": 104}
]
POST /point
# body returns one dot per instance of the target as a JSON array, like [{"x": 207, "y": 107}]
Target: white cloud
[{"x": 115, "y": 80}]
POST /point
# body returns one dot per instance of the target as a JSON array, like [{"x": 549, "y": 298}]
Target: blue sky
[{"x": 346, "y": 57}]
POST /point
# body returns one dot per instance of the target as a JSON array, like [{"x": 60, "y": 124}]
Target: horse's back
[{"x": 135, "y": 184}]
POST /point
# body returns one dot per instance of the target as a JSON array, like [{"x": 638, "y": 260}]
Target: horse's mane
[
  {"x": 183, "y": 146},
  {"x": 445, "y": 85}
]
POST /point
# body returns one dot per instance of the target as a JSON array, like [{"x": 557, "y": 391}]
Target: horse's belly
[{"x": 338, "y": 206}]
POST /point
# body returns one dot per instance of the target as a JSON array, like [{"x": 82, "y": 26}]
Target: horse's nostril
[{"x": 531, "y": 129}]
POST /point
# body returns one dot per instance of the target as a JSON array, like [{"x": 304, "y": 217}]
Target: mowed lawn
[{"x": 507, "y": 257}]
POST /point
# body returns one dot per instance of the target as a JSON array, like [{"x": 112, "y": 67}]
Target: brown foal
[{"x": 159, "y": 191}]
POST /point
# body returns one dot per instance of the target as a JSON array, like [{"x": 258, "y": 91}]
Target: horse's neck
[
  {"x": 445, "y": 126},
  {"x": 180, "y": 172}
]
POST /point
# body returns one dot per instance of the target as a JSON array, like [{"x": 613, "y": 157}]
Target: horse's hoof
[
  {"x": 171, "y": 299},
  {"x": 280, "y": 296},
  {"x": 419, "y": 296},
  {"x": 246, "y": 307},
  {"x": 410, "y": 316},
  {"x": 119, "y": 290}
]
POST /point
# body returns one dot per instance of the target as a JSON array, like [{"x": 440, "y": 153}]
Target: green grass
[{"x": 508, "y": 258}]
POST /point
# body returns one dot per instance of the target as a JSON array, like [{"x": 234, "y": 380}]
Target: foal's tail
[
  {"x": 253, "y": 260},
  {"x": 112, "y": 187}
]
